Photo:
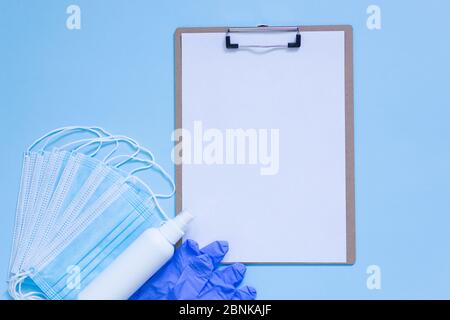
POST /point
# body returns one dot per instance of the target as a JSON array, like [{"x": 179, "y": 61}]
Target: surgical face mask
[
  {"x": 103, "y": 231},
  {"x": 91, "y": 211},
  {"x": 39, "y": 174},
  {"x": 46, "y": 172}
]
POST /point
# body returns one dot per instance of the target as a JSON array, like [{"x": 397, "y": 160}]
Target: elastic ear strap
[
  {"x": 15, "y": 288},
  {"x": 151, "y": 164},
  {"x": 83, "y": 141},
  {"x": 95, "y": 130},
  {"x": 109, "y": 139},
  {"x": 131, "y": 142},
  {"x": 116, "y": 140},
  {"x": 44, "y": 137},
  {"x": 168, "y": 178},
  {"x": 152, "y": 195},
  {"x": 112, "y": 151},
  {"x": 129, "y": 158},
  {"x": 148, "y": 162},
  {"x": 101, "y": 141},
  {"x": 146, "y": 151},
  {"x": 141, "y": 149},
  {"x": 62, "y": 130}
]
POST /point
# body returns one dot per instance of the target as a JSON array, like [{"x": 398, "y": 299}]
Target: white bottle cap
[{"x": 175, "y": 228}]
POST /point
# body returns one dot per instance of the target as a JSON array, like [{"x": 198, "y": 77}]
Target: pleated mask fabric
[{"x": 76, "y": 212}]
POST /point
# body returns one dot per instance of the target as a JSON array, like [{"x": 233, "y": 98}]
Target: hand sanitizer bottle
[{"x": 133, "y": 267}]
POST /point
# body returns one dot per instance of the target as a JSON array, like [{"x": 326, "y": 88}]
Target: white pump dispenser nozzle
[{"x": 174, "y": 229}]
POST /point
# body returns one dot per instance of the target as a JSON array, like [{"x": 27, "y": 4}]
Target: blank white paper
[{"x": 299, "y": 214}]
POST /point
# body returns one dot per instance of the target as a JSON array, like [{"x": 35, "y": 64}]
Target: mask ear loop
[
  {"x": 32, "y": 295},
  {"x": 139, "y": 149},
  {"x": 152, "y": 164},
  {"x": 87, "y": 142},
  {"x": 97, "y": 131},
  {"x": 122, "y": 163},
  {"x": 12, "y": 286},
  {"x": 134, "y": 156},
  {"x": 116, "y": 140},
  {"x": 15, "y": 288},
  {"x": 154, "y": 196},
  {"x": 133, "y": 144},
  {"x": 94, "y": 130},
  {"x": 49, "y": 134}
]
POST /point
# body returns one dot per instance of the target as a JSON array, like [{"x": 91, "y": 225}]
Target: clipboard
[{"x": 299, "y": 37}]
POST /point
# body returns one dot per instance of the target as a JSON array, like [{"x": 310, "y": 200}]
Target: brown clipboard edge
[{"x": 349, "y": 132}]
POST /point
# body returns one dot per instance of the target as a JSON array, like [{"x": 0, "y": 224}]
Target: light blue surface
[{"x": 118, "y": 72}]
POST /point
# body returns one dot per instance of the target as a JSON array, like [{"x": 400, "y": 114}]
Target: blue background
[{"x": 118, "y": 72}]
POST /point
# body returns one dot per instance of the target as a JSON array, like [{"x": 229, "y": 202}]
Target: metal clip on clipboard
[{"x": 263, "y": 28}]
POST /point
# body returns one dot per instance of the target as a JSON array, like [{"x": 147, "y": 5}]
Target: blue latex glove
[{"x": 192, "y": 273}]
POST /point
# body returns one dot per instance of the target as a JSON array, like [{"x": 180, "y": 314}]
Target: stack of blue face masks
[{"x": 78, "y": 210}]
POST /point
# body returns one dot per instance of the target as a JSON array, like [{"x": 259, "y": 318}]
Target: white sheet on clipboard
[{"x": 298, "y": 214}]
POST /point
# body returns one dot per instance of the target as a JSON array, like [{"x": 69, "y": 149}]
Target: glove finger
[
  {"x": 188, "y": 249},
  {"x": 216, "y": 250},
  {"x": 223, "y": 282},
  {"x": 216, "y": 293},
  {"x": 244, "y": 293},
  {"x": 193, "y": 278},
  {"x": 191, "y": 244},
  {"x": 231, "y": 275}
]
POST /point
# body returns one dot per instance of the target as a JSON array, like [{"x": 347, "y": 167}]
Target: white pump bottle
[{"x": 133, "y": 267}]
